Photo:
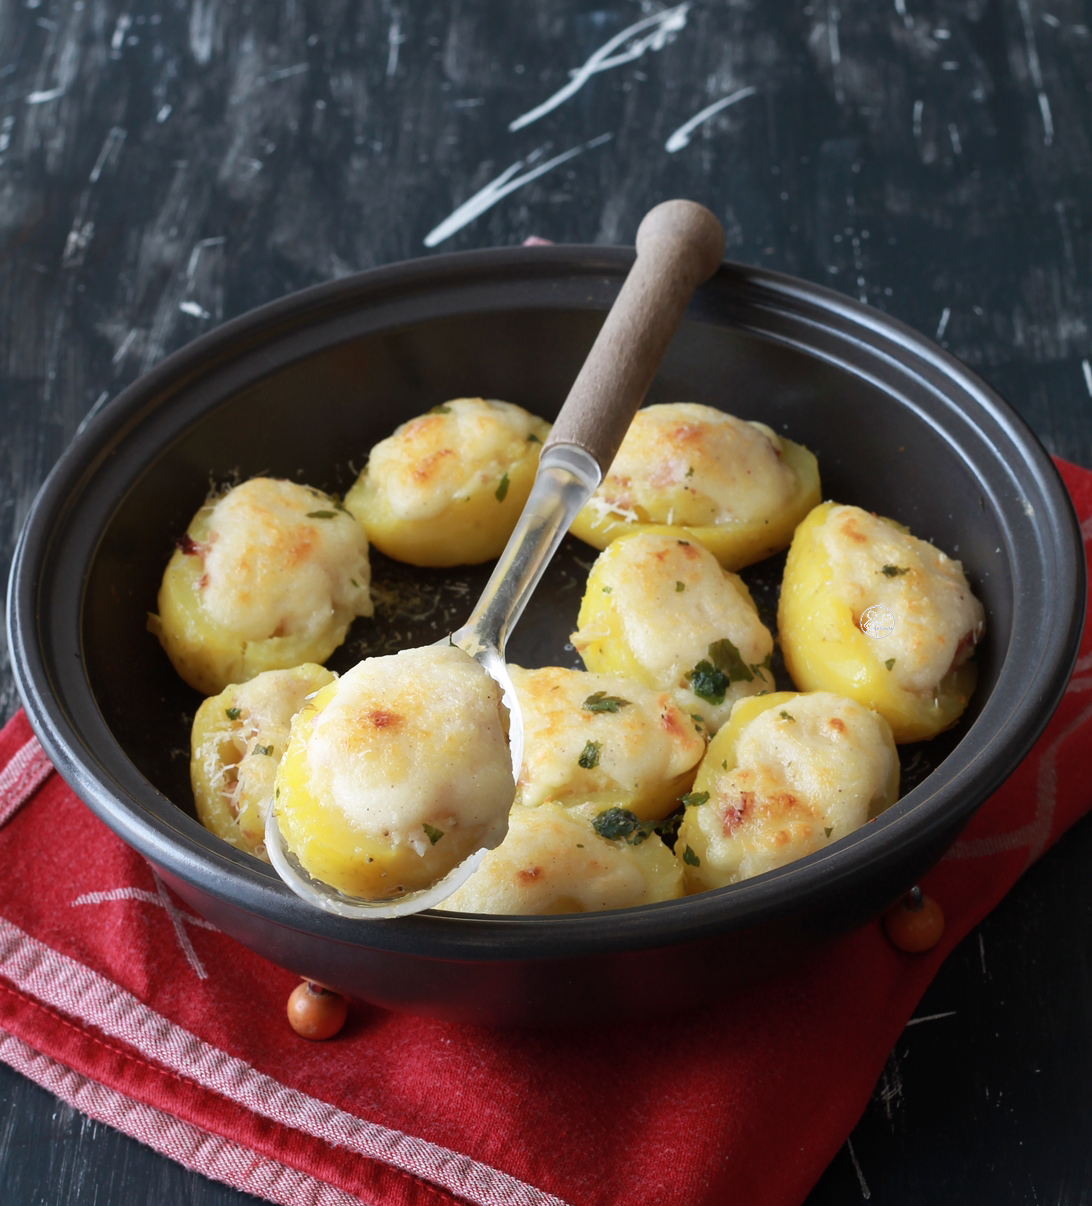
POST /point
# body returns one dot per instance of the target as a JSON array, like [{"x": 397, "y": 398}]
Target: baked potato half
[
  {"x": 553, "y": 861},
  {"x": 237, "y": 743},
  {"x": 269, "y": 575},
  {"x": 850, "y": 573},
  {"x": 693, "y": 471},
  {"x": 396, "y": 773},
  {"x": 604, "y": 740},
  {"x": 786, "y": 776},
  {"x": 662, "y": 611},
  {"x": 447, "y": 487}
]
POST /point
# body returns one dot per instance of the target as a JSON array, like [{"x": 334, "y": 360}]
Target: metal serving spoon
[{"x": 679, "y": 245}]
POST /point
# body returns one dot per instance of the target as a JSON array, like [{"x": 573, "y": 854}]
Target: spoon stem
[{"x": 567, "y": 477}]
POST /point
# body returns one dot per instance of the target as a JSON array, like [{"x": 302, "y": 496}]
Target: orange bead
[
  {"x": 315, "y": 1012},
  {"x": 915, "y": 924}
]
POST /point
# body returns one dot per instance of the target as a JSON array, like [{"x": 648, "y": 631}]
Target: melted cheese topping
[
  {"x": 280, "y": 560},
  {"x": 641, "y": 750},
  {"x": 553, "y": 861},
  {"x": 683, "y": 463},
  {"x": 672, "y": 600},
  {"x": 811, "y": 766},
  {"x": 937, "y": 620},
  {"x": 414, "y": 738},
  {"x": 239, "y": 738},
  {"x": 462, "y": 447}
]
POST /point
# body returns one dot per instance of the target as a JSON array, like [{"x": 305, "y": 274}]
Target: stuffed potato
[
  {"x": 914, "y": 670},
  {"x": 268, "y": 576},
  {"x": 396, "y": 773},
  {"x": 237, "y": 743},
  {"x": 662, "y": 611},
  {"x": 592, "y": 738},
  {"x": 447, "y": 488},
  {"x": 694, "y": 471},
  {"x": 787, "y": 775},
  {"x": 554, "y": 861}
]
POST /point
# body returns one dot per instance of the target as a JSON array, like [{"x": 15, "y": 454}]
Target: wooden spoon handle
[{"x": 679, "y": 245}]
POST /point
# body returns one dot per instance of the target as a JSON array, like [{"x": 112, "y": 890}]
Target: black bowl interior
[
  {"x": 314, "y": 421},
  {"x": 304, "y": 387}
]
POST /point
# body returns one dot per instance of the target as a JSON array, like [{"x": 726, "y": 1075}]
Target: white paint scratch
[
  {"x": 919, "y": 109},
  {"x": 284, "y": 73},
  {"x": 42, "y": 98},
  {"x": 111, "y": 148},
  {"x": 1036, "y": 72},
  {"x": 653, "y": 33},
  {"x": 163, "y": 114},
  {"x": 191, "y": 307},
  {"x": 6, "y": 127},
  {"x": 1048, "y": 120},
  {"x": 953, "y": 134},
  {"x": 942, "y": 326},
  {"x": 96, "y": 406},
  {"x": 499, "y": 187},
  {"x": 866, "y": 1193},
  {"x": 126, "y": 344},
  {"x": 395, "y": 38},
  {"x": 931, "y": 1017},
  {"x": 981, "y": 940},
  {"x": 681, "y": 137},
  {"x": 120, "y": 30},
  {"x": 1086, "y": 369}
]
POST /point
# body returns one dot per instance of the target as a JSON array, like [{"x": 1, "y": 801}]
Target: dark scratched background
[{"x": 165, "y": 166}]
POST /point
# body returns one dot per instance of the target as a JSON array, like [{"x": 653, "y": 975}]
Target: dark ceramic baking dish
[{"x": 303, "y": 387}]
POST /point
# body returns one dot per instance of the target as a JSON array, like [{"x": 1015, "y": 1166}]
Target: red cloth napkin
[{"x": 121, "y": 1001}]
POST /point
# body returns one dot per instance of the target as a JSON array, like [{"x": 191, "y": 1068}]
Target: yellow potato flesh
[
  {"x": 208, "y": 655},
  {"x": 825, "y": 650},
  {"x": 721, "y": 758},
  {"x": 235, "y": 755},
  {"x": 734, "y": 544},
  {"x": 473, "y": 527}
]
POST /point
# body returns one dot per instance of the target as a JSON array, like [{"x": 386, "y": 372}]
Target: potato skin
[
  {"x": 237, "y": 742},
  {"x": 653, "y": 607},
  {"x": 802, "y": 829},
  {"x": 735, "y": 543},
  {"x": 208, "y": 654},
  {"x": 552, "y": 861},
  {"x": 825, "y": 650},
  {"x": 472, "y": 503}
]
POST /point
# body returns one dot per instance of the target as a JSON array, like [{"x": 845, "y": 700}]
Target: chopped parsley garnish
[
  {"x": 432, "y": 833},
  {"x": 698, "y": 720},
  {"x": 710, "y": 679},
  {"x": 502, "y": 489},
  {"x": 690, "y": 471},
  {"x": 786, "y": 716},
  {"x": 533, "y": 439},
  {"x": 616, "y": 823},
  {"x": 620, "y": 824},
  {"x": 600, "y": 701},
  {"x": 684, "y": 543},
  {"x": 828, "y": 830},
  {"x": 893, "y": 571},
  {"x": 680, "y": 587},
  {"x": 442, "y": 409},
  {"x": 724, "y": 764},
  {"x": 690, "y": 858},
  {"x": 232, "y": 713},
  {"x": 693, "y": 799},
  {"x": 607, "y": 590},
  {"x": 890, "y": 663},
  {"x": 264, "y": 749},
  {"x": 589, "y": 759},
  {"x": 322, "y": 515}
]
